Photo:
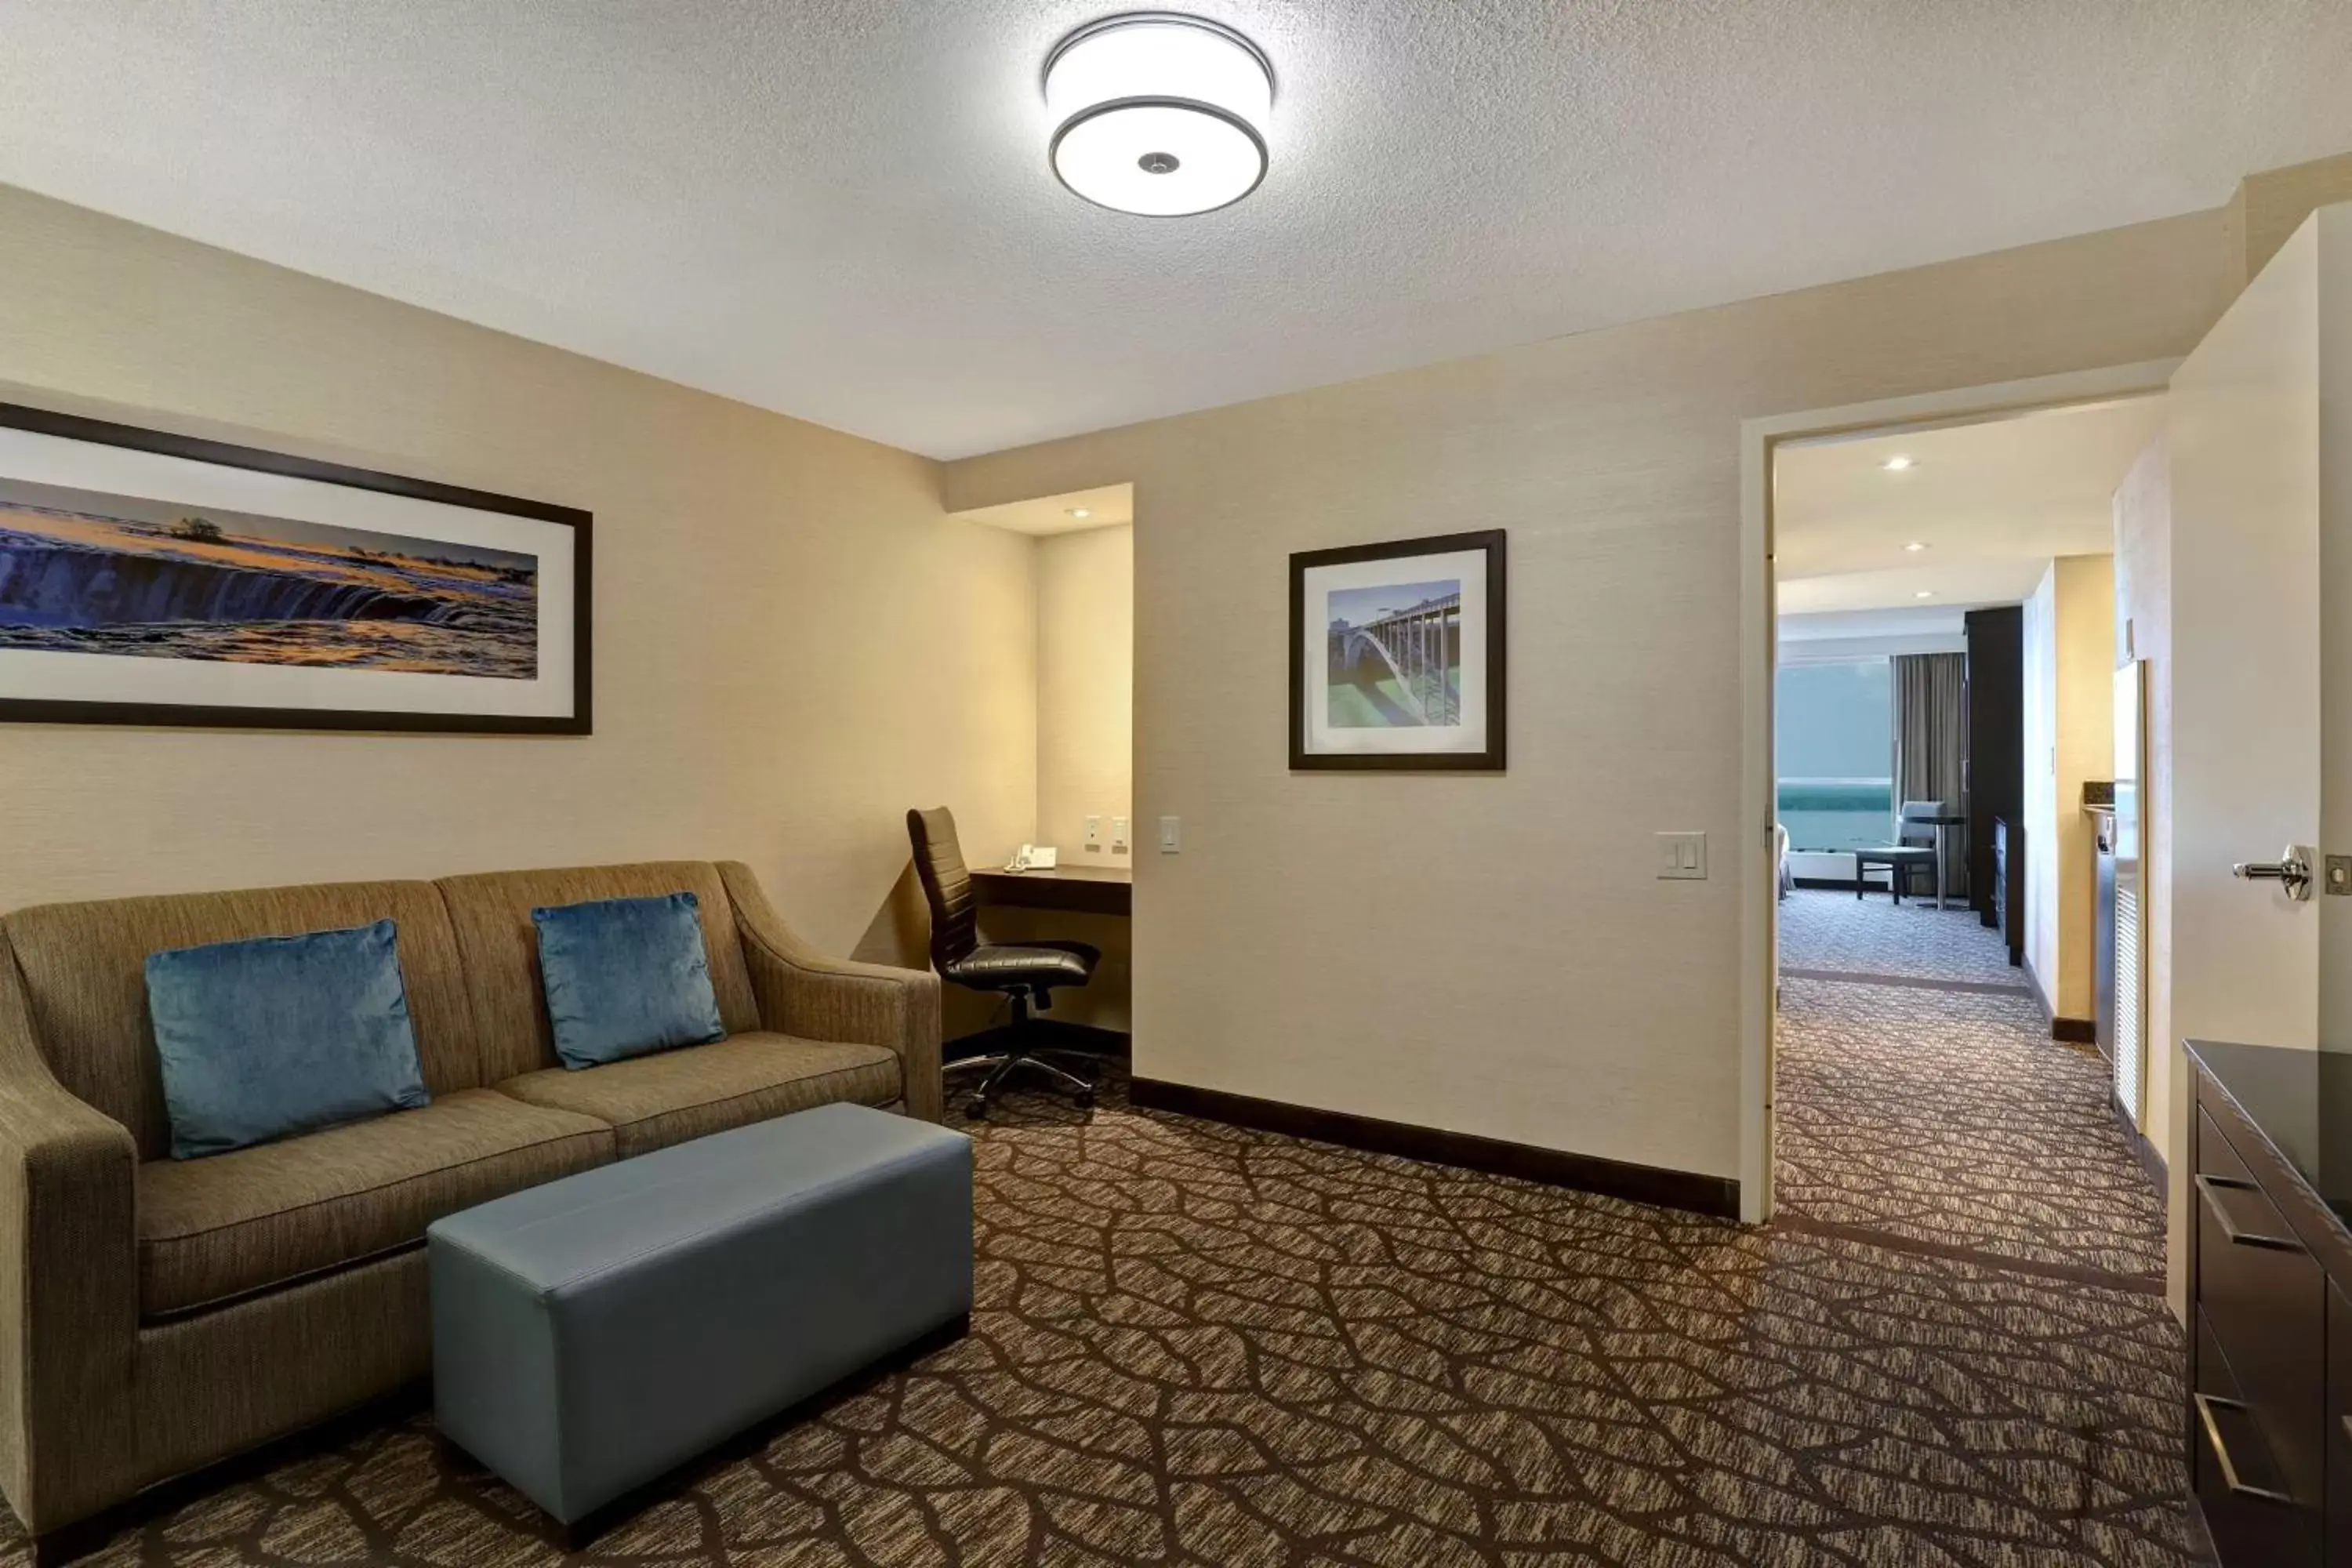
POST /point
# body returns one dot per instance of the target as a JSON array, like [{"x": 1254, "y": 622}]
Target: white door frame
[{"x": 1759, "y": 885}]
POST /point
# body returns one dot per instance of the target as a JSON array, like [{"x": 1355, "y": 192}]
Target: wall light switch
[
  {"x": 1094, "y": 834},
  {"x": 1682, "y": 855},
  {"x": 1172, "y": 834},
  {"x": 1118, "y": 835}
]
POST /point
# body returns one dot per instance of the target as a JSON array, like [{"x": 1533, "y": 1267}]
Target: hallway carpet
[{"x": 1203, "y": 1345}]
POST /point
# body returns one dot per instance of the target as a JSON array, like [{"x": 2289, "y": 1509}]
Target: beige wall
[
  {"x": 1493, "y": 953},
  {"x": 2070, "y": 639},
  {"x": 792, "y": 642},
  {"x": 2143, "y": 514},
  {"x": 1086, "y": 709},
  {"x": 1086, "y": 688}
]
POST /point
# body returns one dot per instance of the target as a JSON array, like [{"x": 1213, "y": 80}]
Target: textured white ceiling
[
  {"x": 841, "y": 208},
  {"x": 1993, "y": 501}
]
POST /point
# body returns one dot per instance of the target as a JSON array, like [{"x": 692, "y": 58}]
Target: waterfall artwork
[
  {"x": 147, "y": 577},
  {"x": 85, "y": 572},
  {"x": 1397, "y": 653}
]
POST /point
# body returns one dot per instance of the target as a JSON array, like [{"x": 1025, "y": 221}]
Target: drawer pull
[
  {"x": 2206, "y": 1404},
  {"x": 2206, "y": 1185}
]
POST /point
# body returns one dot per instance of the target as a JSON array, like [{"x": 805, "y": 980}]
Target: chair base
[{"x": 1023, "y": 1049}]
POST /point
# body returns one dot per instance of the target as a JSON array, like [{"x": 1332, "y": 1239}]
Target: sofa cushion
[
  {"x": 491, "y": 914},
  {"x": 278, "y": 1035},
  {"x": 625, "y": 977},
  {"x": 651, "y": 1102},
  {"x": 85, "y": 971},
  {"x": 220, "y": 1227}
]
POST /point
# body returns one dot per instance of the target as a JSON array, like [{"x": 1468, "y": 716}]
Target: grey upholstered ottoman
[{"x": 592, "y": 1334}]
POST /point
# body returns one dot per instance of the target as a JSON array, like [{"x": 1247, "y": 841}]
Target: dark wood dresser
[
  {"x": 2008, "y": 887},
  {"x": 2270, "y": 1269}
]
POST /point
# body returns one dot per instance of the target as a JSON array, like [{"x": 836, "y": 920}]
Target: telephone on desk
[{"x": 1033, "y": 857}]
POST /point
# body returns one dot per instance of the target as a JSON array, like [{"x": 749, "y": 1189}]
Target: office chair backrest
[
  {"x": 946, "y": 885},
  {"x": 1909, "y": 829}
]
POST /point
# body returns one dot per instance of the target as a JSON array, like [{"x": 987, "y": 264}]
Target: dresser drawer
[
  {"x": 2254, "y": 1521},
  {"x": 2339, "y": 1428},
  {"x": 2259, "y": 1429}
]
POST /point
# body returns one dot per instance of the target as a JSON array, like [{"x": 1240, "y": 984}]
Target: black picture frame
[
  {"x": 579, "y": 721},
  {"x": 1491, "y": 758}
]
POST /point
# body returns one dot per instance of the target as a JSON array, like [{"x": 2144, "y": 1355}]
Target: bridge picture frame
[
  {"x": 1398, "y": 655},
  {"x": 151, "y": 577}
]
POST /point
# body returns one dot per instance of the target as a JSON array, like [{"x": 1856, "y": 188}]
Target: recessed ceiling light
[
  {"x": 1897, "y": 463},
  {"x": 1158, "y": 114},
  {"x": 1925, "y": 593},
  {"x": 1914, "y": 547},
  {"x": 1081, "y": 511}
]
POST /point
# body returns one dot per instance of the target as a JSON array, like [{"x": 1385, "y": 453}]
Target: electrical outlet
[
  {"x": 1094, "y": 834},
  {"x": 1118, "y": 835},
  {"x": 1682, "y": 856}
]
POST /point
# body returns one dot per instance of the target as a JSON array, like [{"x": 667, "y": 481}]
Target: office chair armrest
[{"x": 806, "y": 993}]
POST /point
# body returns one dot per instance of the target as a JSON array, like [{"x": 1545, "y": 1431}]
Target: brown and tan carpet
[
  {"x": 1823, "y": 929},
  {"x": 1201, "y": 1346}
]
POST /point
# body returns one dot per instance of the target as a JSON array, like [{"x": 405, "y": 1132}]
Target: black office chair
[{"x": 1027, "y": 973}]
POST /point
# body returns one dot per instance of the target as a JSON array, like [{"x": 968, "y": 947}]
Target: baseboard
[
  {"x": 2151, "y": 1163},
  {"x": 1716, "y": 1196},
  {"x": 2074, "y": 1031}
]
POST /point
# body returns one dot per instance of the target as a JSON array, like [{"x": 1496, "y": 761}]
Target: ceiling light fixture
[
  {"x": 1897, "y": 463},
  {"x": 1081, "y": 511},
  {"x": 1913, "y": 547},
  {"x": 1925, "y": 593},
  {"x": 1158, "y": 113}
]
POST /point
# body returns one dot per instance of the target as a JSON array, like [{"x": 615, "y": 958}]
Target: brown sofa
[{"x": 158, "y": 1315}]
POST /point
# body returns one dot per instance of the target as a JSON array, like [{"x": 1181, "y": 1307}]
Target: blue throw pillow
[
  {"x": 281, "y": 1034},
  {"x": 625, "y": 977}
]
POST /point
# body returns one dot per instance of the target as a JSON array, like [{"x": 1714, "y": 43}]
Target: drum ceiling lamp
[{"x": 1159, "y": 113}]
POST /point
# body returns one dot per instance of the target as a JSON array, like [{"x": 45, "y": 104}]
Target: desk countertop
[
  {"x": 1096, "y": 890},
  {"x": 1061, "y": 874}
]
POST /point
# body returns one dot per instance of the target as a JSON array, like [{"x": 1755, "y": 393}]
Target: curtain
[{"x": 1930, "y": 744}]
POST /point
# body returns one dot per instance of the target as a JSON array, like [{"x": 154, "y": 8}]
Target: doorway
[
  {"x": 1945, "y": 756},
  {"x": 1764, "y": 863}
]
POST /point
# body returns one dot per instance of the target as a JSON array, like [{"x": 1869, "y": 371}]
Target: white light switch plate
[
  {"x": 1682, "y": 855},
  {"x": 1094, "y": 834},
  {"x": 1118, "y": 835},
  {"x": 1172, "y": 834}
]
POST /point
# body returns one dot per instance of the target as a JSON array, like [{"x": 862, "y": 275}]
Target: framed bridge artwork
[
  {"x": 1397, "y": 653},
  {"x": 152, "y": 578}
]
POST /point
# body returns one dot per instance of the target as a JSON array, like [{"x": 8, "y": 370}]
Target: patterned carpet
[
  {"x": 1202, "y": 1345},
  {"x": 1196, "y": 1344},
  {"x": 1822, "y": 928},
  {"x": 1952, "y": 1117}
]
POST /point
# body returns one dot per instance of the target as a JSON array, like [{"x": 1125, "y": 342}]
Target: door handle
[
  {"x": 2206, "y": 1188},
  {"x": 2206, "y": 1404},
  {"x": 2291, "y": 871}
]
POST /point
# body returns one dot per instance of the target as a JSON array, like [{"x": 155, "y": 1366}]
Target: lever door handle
[{"x": 2291, "y": 871}]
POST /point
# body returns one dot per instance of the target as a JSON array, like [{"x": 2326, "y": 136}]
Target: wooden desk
[{"x": 1087, "y": 889}]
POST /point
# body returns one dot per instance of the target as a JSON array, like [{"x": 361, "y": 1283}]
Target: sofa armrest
[
  {"x": 802, "y": 992},
  {"x": 69, "y": 1286}
]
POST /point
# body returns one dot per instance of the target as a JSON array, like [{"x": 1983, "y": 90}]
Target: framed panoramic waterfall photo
[
  {"x": 151, "y": 578},
  {"x": 1397, "y": 653}
]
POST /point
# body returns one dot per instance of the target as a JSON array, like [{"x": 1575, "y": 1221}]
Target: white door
[{"x": 2256, "y": 691}]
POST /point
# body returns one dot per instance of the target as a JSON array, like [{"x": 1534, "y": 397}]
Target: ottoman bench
[{"x": 590, "y": 1335}]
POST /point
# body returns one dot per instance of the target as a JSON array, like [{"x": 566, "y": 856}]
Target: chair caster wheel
[
  {"x": 976, "y": 1108},
  {"x": 1084, "y": 1100}
]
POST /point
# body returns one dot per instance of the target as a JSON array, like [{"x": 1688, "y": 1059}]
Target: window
[{"x": 1834, "y": 747}]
